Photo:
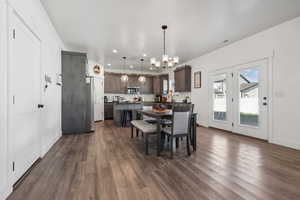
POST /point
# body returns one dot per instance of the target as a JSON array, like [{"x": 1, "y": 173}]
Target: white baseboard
[
  {"x": 49, "y": 145},
  {"x": 286, "y": 143},
  {"x": 201, "y": 123},
  {"x": 5, "y": 193}
]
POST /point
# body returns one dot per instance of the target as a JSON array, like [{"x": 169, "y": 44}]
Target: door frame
[
  {"x": 10, "y": 21},
  {"x": 5, "y": 189},
  {"x": 270, "y": 60},
  {"x": 244, "y": 129}
]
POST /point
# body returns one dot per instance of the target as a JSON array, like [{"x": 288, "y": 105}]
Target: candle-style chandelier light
[{"x": 166, "y": 60}]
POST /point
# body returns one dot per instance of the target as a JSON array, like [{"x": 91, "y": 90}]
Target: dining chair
[
  {"x": 181, "y": 120},
  {"x": 169, "y": 122},
  {"x": 180, "y": 107}
]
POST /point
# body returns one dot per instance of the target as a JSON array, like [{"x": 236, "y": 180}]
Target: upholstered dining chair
[{"x": 180, "y": 127}]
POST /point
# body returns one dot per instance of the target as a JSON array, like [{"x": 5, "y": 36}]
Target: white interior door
[
  {"x": 239, "y": 99},
  {"x": 24, "y": 97}
]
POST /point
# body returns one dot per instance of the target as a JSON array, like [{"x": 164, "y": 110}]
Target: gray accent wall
[{"x": 76, "y": 94}]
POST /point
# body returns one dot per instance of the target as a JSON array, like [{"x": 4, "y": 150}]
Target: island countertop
[{"x": 128, "y": 102}]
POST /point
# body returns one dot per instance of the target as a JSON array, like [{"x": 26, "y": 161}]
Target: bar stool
[{"x": 125, "y": 116}]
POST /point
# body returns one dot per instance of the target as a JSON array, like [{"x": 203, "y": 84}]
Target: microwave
[{"x": 133, "y": 90}]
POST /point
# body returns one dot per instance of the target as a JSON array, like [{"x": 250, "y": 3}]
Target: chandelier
[
  {"x": 142, "y": 78},
  {"x": 124, "y": 77},
  {"x": 166, "y": 60}
]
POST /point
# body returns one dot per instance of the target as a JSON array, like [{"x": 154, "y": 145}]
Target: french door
[{"x": 239, "y": 99}]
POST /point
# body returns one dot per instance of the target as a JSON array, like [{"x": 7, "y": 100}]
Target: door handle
[{"x": 40, "y": 105}]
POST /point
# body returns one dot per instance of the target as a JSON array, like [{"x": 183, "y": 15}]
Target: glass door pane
[
  {"x": 249, "y": 96},
  {"x": 220, "y": 98}
]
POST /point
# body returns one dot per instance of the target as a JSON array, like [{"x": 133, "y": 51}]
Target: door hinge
[
  {"x": 14, "y": 99},
  {"x": 232, "y": 100},
  {"x": 14, "y": 34},
  {"x": 232, "y": 124},
  {"x": 232, "y": 74},
  {"x": 13, "y": 166}
]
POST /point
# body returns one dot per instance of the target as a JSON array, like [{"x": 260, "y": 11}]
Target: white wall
[
  {"x": 34, "y": 15},
  {"x": 284, "y": 42}
]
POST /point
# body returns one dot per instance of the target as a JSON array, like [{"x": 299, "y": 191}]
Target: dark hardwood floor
[{"x": 108, "y": 165}]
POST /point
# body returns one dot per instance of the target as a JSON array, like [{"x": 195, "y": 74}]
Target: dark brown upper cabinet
[
  {"x": 114, "y": 85},
  {"x": 164, "y": 82},
  {"x": 147, "y": 87},
  {"x": 156, "y": 85},
  {"x": 161, "y": 84},
  {"x": 183, "y": 79}
]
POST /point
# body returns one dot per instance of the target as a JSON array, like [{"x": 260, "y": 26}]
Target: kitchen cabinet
[
  {"x": 156, "y": 85},
  {"x": 161, "y": 84},
  {"x": 108, "y": 111},
  {"x": 164, "y": 83},
  {"x": 147, "y": 87},
  {"x": 113, "y": 84},
  {"x": 133, "y": 81},
  {"x": 182, "y": 77}
]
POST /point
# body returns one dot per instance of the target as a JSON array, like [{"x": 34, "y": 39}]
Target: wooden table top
[{"x": 155, "y": 114}]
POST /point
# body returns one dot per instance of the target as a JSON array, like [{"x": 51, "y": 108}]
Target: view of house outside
[{"x": 248, "y": 101}]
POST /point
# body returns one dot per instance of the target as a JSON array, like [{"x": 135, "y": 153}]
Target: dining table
[{"x": 160, "y": 116}]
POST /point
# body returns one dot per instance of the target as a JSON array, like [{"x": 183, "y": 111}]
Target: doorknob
[
  {"x": 265, "y": 104},
  {"x": 40, "y": 105}
]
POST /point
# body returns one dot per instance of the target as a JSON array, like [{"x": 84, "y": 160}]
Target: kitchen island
[{"x": 119, "y": 107}]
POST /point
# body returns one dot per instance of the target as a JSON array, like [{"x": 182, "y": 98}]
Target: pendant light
[
  {"x": 166, "y": 60},
  {"x": 124, "y": 77},
  {"x": 142, "y": 78}
]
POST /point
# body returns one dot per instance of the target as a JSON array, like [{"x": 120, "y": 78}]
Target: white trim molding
[
  {"x": 5, "y": 189},
  {"x": 286, "y": 143}
]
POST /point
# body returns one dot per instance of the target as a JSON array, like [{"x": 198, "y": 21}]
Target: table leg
[
  {"x": 158, "y": 136},
  {"x": 195, "y": 133}
]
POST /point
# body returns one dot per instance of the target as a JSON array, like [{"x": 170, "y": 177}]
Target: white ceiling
[{"x": 133, "y": 27}]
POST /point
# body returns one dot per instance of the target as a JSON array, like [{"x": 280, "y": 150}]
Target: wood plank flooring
[{"x": 108, "y": 165}]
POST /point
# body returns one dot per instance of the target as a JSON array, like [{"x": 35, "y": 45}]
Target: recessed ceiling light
[
  {"x": 151, "y": 68},
  {"x": 115, "y": 51},
  {"x": 131, "y": 66},
  {"x": 144, "y": 55},
  {"x": 108, "y": 64}
]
